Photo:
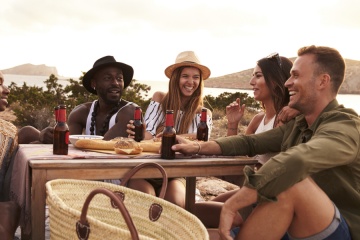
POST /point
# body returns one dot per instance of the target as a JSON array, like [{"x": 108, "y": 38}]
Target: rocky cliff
[
  {"x": 241, "y": 79},
  {"x": 30, "y": 69}
]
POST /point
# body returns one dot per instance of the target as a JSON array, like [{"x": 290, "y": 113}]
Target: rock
[{"x": 211, "y": 187}]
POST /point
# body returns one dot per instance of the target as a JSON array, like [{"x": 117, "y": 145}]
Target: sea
[{"x": 349, "y": 100}]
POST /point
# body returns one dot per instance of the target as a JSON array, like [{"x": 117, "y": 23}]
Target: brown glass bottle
[
  {"x": 202, "y": 128},
  {"x": 139, "y": 127},
  {"x": 61, "y": 133},
  {"x": 168, "y": 137}
]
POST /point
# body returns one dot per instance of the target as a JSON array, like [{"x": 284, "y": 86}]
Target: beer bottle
[
  {"x": 202, "y": 128},
  {"x": 168, "y": 137},
  {"x": 61, "y": 133},
  {"x": 139, "y": 127},
  {"x": 56, "y": 113}
]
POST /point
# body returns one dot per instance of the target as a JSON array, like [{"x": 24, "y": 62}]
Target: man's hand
[
  {"x": 47, "y": 135},
  {"x": 130, "y": 129},
  {"x": 229, "y": 213},
  {"x": 186, "y": 146}
]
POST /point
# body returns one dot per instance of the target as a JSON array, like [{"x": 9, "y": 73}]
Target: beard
[{"x": 108, "y": 99}]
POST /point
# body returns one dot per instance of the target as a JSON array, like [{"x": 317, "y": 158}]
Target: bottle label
[
  {"x": 169, "y": 120},
  {"x": 203, "y": 116},
  {"x": 62, "y": 115},
  {"x": 137, "y": 114}
]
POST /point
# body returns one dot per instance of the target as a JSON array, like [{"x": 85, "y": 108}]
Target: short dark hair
[{"x": 329, "y": 61}]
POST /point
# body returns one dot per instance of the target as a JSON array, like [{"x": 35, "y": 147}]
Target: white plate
[{"x": 74, "y": 138}]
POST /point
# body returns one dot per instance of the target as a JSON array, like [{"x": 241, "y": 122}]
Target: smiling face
[
  {"x": 302, "y": 84},
  {"x": 189, "y": 81},
  {"x": 259, "y": 86},
  {"x": 4, "y": 93},
  {"x": 109, "y": 84}
]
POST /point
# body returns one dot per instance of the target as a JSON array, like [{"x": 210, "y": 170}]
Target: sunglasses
[{"x": 276, "y": 57}]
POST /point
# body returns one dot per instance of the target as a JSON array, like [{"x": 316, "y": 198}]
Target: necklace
[{"x": 105, "y": 126}]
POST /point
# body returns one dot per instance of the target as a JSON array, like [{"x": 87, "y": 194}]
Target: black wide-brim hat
[{"x": 107, "y": 61}]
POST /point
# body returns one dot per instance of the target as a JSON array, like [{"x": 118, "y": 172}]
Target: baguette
[
  {"x": 127, "y": 146},
  {"x": 120, "y": 145},
  {"x": 150, "y": 146},
  {"x": 95, "y": 144}
]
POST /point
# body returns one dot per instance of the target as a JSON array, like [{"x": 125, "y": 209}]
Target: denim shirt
[{"x": 328, "y": 151}]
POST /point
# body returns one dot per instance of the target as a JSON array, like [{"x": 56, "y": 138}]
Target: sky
[{"x": 228, "y": 36}]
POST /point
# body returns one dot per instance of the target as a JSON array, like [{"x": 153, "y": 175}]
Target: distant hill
[
  {"x": 241, "y": 79},
  {"x": 30, "y": 69}
]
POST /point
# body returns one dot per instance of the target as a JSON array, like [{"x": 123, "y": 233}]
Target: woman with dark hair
[
  {"x": 268, "y": 83},
  {"x": 185, "y": 97}
]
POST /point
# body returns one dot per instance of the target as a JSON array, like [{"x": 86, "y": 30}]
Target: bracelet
[{"x": 199, "y": 147}]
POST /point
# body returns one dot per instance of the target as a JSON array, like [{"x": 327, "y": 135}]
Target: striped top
[{"x": 154, "y": 116}]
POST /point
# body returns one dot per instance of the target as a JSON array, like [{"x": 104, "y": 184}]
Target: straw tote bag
[{"x": 81, "y": 209}]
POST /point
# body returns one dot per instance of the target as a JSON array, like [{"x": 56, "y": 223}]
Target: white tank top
[
  {"x": 111, "y": 122},
  {"x": 263, "y": 128}
]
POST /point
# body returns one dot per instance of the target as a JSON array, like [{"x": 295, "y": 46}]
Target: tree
[
  {"x": 34, "y": 106},
  {"x": 220, "y": 102}
]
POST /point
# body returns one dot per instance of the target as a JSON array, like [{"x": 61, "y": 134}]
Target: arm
[
  {"x": 29, "y": 134},
  {"x": 77, "y": 118},
  {"x": 190, "y": 147},
  {"x": 154, "y": 116},
  {"x": 234, "y": 113},
  {"x": 123, "y": 118},
  {"x": 242, "y": 198},
  {"x": 254, "y": 123},
  {"x": 335, "y": 142}
]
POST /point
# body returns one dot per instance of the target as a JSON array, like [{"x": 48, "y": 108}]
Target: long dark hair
[{"x": 276, "y": 72}]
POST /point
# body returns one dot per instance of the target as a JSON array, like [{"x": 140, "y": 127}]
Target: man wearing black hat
[{"x": 107, "y": 79}]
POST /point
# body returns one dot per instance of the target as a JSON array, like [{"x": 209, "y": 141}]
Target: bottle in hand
[
  {"x": 139, "y": 127},
  {"x": 61, "y": 133},
  {"x": 202, "y": 128},
  {"x": 168, "y": 137}
]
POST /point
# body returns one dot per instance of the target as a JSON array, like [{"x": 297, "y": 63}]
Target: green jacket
[{"x": 328, "y": 151}]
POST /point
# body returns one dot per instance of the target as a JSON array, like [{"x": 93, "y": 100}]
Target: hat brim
[
  {"x": 205, "y": 71},
  {"x": 128, "y": 73}
]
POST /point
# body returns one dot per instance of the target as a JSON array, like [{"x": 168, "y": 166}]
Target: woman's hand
[
  {"x": 285, "y": 115},
  {"x": 234, "y": 112}
]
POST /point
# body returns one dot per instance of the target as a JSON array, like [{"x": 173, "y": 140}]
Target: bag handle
[
  {"x": 132, "y": 172},
  {"x": 83, "y": 227}
]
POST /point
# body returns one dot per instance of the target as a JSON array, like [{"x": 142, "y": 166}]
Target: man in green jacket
[{"x": 311, "y": 189}]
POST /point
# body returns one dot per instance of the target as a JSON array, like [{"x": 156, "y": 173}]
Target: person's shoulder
[
  {"x": 158, "y": 96},
  {"x": 254, "y": 123},
  {"x": 82, "y": 107},
  {"x": 81, "y": 110}
]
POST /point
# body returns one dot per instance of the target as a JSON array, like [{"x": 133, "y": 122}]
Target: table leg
[
  {"x": 190, "y": 194},
  {"x": 38, "y": 203}
]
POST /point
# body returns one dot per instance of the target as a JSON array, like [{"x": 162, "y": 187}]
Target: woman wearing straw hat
[{"x": 186, "y": 87}]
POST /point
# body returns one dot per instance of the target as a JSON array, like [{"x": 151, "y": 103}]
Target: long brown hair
[
  {"x": 172, "y": 100},
  {"x": 275, "y": 77}
]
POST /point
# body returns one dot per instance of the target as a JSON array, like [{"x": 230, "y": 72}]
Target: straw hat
[
  {"x": 188, "y": 59},
  {"x": 107, "y": 61}
]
